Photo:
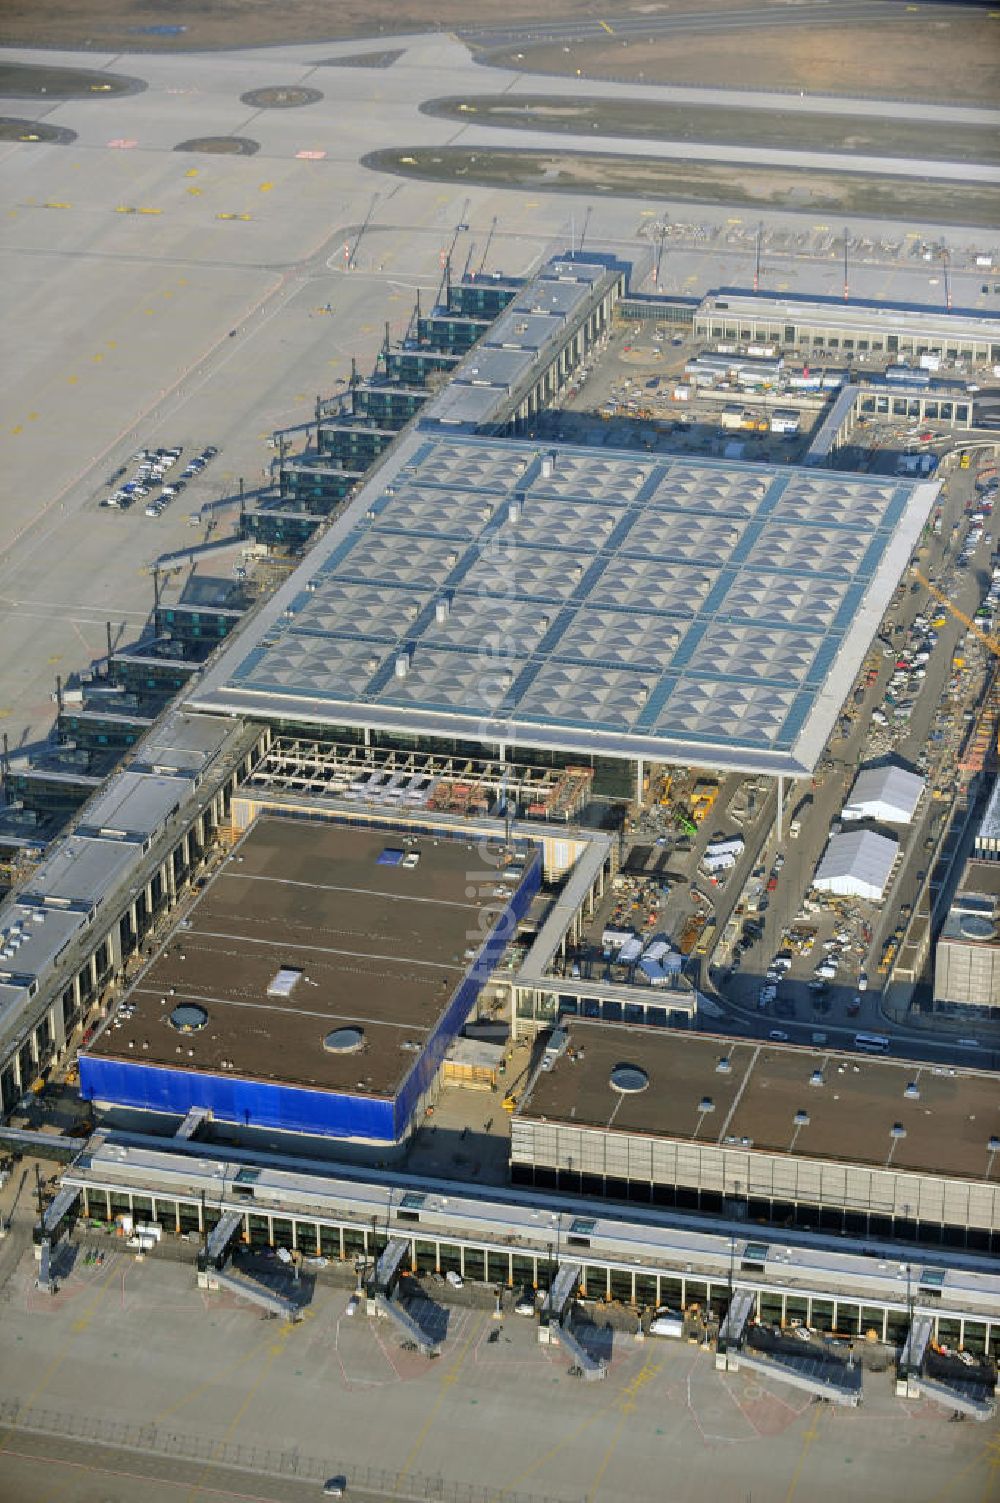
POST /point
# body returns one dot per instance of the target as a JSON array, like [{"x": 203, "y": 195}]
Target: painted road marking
[{"x": 448, "y": 1382}]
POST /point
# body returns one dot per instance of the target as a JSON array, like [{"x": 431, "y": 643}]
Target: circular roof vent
[
  {"x": 344, "y": 1040},
  {"x": 628, "y": 1079},
  {"x": 188, "y": 1017},
  {"x": 976, "y": 926}
]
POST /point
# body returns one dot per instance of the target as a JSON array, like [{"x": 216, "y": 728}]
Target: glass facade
[{"x": 644, "y": 1287}]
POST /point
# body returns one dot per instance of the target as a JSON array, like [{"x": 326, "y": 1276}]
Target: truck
[{"x": 798, "y": 813}]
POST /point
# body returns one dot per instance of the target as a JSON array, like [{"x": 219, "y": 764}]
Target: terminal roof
[
  {"x": 754, "y": 1104},
  {"x": 679, "y": 608},
  {"x": 376, "y": 945}
]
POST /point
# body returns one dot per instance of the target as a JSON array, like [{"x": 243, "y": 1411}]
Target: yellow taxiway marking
[
  {"x": 607, "y": 28},
  {"x": 192, "y": 172},
  {"x": 275, "y": 1350},
  {"x": 448, "y": 1382},
  {"x": 808, "y": 1440},
  {"x": 627, "y": 1405},
  {"x": 82, "y": 1322},
  {"x": 266, "y": 187},
  {"x": 239, "y": 1363}
]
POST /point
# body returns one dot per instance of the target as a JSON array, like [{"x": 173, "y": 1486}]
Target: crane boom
[{"x": 993, "y": 643}]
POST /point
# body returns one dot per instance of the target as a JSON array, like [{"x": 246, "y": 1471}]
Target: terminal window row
[{"x": 636, "y": 1287}]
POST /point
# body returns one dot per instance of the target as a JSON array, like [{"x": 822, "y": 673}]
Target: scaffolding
[{"x": 410, "y": 780}]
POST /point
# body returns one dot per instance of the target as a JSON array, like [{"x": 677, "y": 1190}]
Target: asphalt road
[{"x": 828, "y": 793}]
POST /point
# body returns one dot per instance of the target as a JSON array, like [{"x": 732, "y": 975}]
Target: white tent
[
  {"x": 889, "y": 794},
  {"x": 857, "y": 865}
]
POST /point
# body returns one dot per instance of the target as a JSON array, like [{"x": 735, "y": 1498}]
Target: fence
[{"x": 282, "y": 1462}]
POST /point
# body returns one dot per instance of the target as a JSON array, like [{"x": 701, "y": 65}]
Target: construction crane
[
  {"x": 460, "y": 227},
  {"x": 661, "y": 237},
  {"x": 990, "y": 642},
  {"x": 946, "y": 266},
  {"x": 489, "y": 242}
]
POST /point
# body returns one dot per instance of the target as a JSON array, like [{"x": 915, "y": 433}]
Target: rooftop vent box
[{"x": 283, "y": 983}]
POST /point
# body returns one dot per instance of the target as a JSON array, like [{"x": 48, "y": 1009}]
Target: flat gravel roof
[
  {"x": 678, "y": 608},
  {"x": 754, "y": 1103},
  {"x": 379, "y": 947}
]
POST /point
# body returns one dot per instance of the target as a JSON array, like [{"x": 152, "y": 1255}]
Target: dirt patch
[
  {"x": 362, "y": 60},
  {"x": 280, "y": 98},
  {"x": 874, "y": 135},
  {"x": 221, "y": 146},
  {"x": 35, "y": 81},
  {"x": 13, "y": 129},
  {"x": 899, "y": 57},
  {"x": 917, "y": 201}
]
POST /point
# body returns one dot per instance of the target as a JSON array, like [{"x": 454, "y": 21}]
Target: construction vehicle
[
  {"x": 703, "y": 796},
  {"x": 684, "y": 822},
  {"x": 990, "y": 642}
]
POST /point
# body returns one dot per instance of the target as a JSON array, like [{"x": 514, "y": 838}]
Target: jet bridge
[
  {"x": 193, "y": 1123},
  {"x": 392, "y": 1309},
  {"x": 734, "y": 1326},
  {"x": 559, "y": 1294},
  {"x": 554, "y": 1322},
  {"x": 388, "y": 1267},
  {"x": 590, "y": 1368},
  {"x": 838, "y": 1382},
  {"x": 219, "y": 1238},
  {"x": 56, "y": 1212},
  {"x": 918, "y": 1339},
  {"x": 257, "y": 1294},
  {"x": 970, "y": 1396},
  {"x": 45, "y": 1278}
]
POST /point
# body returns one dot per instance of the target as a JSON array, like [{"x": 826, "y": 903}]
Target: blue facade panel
[
  {"x": 457, "y": 1012},
  {"x": 289, "y": 1108},
  {"x": 251, "y": 1103}
]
